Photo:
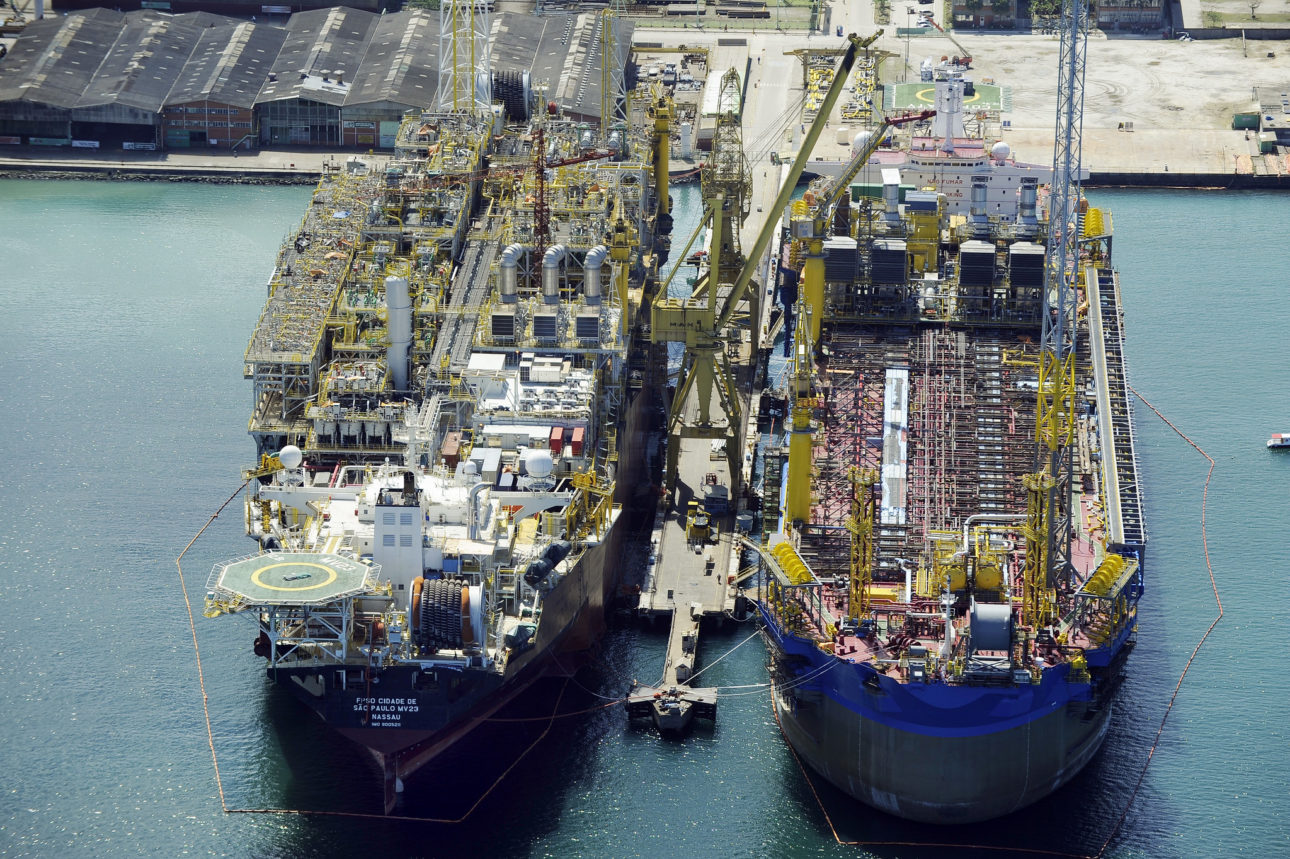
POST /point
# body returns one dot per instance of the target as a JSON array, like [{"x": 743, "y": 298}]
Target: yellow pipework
[
  {"x": 793, "y": 565},
  {"x": 797, "y": 501}
]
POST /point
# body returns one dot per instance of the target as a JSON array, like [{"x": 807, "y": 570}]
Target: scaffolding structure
[{"x": 971, "y": 417}]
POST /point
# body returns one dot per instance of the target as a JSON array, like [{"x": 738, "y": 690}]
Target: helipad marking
[
  {"x": 332, "y": 576},
  {"x": 928, "y": 96}
]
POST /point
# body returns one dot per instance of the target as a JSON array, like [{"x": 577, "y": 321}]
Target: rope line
[
  {"x": 1159, "y": 731},
  {"x": 1204, "y": 539},
  {"x": 690, "y": 682},
  {"x": 192, "y": 626},
  {"x": 210, "y": 733}
]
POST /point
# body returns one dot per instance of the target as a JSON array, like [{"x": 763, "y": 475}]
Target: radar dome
[
  {"x": 290, "y": 456},
  {"x": 861, "y": 139},
  {"x": 1000, "y": 151},
  {"x": 538, "y": 463}
]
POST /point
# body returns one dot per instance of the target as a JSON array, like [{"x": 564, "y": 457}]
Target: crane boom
[
  {"x": 840, "y": 184},
  {"x": 854, "y": 44},
  {"x": 965, "y": 58}
]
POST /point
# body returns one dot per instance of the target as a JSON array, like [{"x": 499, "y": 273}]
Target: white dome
[
  {"x": 290, "y": 456},
  {"x": 538, "y": 463},
  {"x": 1000, "y": 151},
  {"x": 861, "y": 139}
]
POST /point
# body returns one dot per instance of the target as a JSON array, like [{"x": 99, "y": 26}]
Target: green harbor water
[{"x": 127, "y": 308}]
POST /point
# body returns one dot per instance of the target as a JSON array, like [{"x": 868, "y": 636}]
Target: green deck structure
[
  {"x": 291, "y": 578},
  {"x": 920, "y": 96}
]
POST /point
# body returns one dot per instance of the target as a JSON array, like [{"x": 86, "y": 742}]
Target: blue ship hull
[{"x": 935, "y": 752}]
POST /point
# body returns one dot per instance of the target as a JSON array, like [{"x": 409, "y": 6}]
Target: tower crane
[
  {"x": 698, "y": 322},
  {"x": 1049, "y": 489}
]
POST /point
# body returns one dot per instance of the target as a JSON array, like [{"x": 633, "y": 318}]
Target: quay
[{"x": 693, "y": 565}]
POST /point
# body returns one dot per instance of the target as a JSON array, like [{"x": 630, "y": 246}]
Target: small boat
[{"x": 1279, "y": 439}]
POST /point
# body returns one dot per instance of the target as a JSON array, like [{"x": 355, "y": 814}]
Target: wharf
[
  {"x": 266, "y": 167},
  {"x": 691, "y": 577}
]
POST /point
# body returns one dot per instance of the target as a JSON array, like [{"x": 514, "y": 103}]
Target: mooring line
[
  {"x": 192, "y": 626},
  {"x": 1204, "y": 539},
  {"x": 210, "y": 733},
  {"x": 1159, "y": 731}
]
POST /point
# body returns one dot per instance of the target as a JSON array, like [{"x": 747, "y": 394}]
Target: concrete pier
[{"x": 692, "y": 563}]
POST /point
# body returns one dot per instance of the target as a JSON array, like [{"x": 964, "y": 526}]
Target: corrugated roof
[
  {"x": 229, "y": 65},
  {"x": 54, "y": 59},
  {"x": 146, "y": 58},
  {"x": 322, "y": 52},
  {"x": 562, "y": 51},
  {"x": 401, "y": 62},
  {"x": 338, "y": 56}
]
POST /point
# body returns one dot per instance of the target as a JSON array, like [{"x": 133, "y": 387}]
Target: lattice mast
[
  {"x": 1056, "y": 415},
  {"x": 465, "y": 59},
  {"x": 613, "y": 99}
]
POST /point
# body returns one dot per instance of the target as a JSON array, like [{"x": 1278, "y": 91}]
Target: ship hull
[
  {"x": 932, "y": 752},
  {"x": 407, "y": 715}
]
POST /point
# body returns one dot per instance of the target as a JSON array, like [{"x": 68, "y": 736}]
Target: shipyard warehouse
[{"x": 337, "y": 77}]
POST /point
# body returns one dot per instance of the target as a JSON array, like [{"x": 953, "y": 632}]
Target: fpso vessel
[
  {"x": 925, "y": 659},
  {"x": 449, "y": 386}
]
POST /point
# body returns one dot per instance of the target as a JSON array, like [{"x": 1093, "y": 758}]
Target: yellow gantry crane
[{"x": 697, "y": 321}]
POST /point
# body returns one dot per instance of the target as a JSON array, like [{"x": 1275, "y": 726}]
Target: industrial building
[{"x": 338, "y": 76}]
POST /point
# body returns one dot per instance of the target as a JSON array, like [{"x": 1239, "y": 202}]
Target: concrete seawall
[
  {"x": 271, "y": 169},
  {"x": 1212, "y": 181},
  {"x": 260, "y": 168}
]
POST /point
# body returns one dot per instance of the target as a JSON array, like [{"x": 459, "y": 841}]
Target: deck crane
[
  {"x": 695, "y": 321},
  {"x": 1048, "y": 528},
  {"x": 964, "y": 59},
  {"x": 811, "y": 225}
]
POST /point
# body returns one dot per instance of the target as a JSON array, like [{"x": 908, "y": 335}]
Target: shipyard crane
[
  {"x": 810, "y": 224},
  {"x": 964, "y": 59},
  {"x": 1048, "y": 529},
  {"x": 697, "y": 321}
]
